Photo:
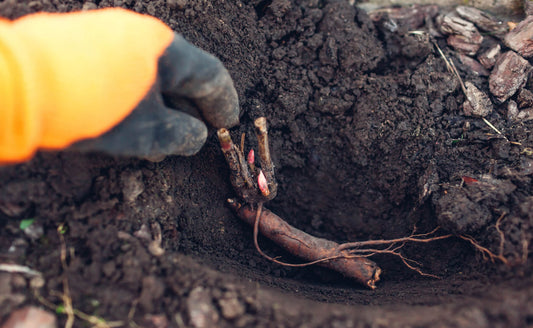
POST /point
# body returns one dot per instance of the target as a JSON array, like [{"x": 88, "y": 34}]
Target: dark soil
[{"x": 368, "y": 139}]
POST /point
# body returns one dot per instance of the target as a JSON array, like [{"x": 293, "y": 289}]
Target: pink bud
[
  {"x": 262, "y": 183},
  {"x": 251, "y": 157}
]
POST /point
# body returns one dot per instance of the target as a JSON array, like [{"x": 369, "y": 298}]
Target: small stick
[
  {"x": 317, "y": 250},
  {"x": 491, "y": 126}
]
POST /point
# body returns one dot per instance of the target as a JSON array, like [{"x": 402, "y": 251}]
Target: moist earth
[{"x": 369, "y": 141}]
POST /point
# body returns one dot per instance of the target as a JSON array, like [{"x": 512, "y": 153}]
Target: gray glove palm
[{"x": 193, "y": 87}]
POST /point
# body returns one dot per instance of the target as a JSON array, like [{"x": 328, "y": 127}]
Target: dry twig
[{"x": 500, "y": 233}]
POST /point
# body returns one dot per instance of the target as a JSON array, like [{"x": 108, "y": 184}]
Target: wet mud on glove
[{"x": 103, "y": 81}]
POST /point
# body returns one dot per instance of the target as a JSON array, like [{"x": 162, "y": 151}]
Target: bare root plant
[{"x": 255, "y": 185}]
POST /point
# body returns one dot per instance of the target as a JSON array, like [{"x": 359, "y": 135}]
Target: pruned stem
[
  {"x": 267, "y": 166},
  {"x": 315, "y": 250}
]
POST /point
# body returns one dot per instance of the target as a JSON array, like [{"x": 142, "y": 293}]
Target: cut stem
[{"x": 267, "y": 166}]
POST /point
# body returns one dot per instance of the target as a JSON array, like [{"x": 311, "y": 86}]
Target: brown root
[
  {"x": 315, "y": 250},
  {"x": 350, "y": 259}
]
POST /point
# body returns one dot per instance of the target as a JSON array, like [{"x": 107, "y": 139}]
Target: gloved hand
[{"x": 102, "y": 81}]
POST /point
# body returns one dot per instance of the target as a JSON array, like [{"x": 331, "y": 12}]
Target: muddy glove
[{"x": 103, "y": 81}]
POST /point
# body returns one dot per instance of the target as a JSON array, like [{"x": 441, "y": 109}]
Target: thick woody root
[{"x": 315, "y": 250}]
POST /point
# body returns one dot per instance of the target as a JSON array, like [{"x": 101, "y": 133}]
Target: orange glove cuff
[
  {"x": 67, "y": 77},
  {"x": 20, "y": 126}
]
